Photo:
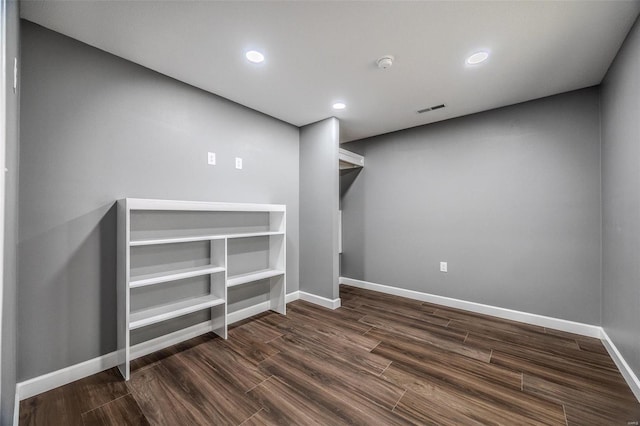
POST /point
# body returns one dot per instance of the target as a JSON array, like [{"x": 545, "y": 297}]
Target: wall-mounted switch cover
[
  {"x": 211, "y": 158},
  {"x": 238, "y": 163},
  {"x": 443, "y": 267}
]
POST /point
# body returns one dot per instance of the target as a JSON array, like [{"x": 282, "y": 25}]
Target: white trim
[
  {"x": 626, "y": 371},
  {"x": 319, "y": 300},
  {"x": 46, "y": 382},
  {"x": 535, "y": 319},
  {"x": 61, "y": 377},
  {"x": 151, "y": 204},
  {"x": 292, "y": 297},
  {"x": 549, "y": 322}
]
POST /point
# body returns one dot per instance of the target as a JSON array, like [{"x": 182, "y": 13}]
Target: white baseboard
[
  {"x": 291, "y": 297},
  {"x": 46, "y": 382},
  {"x": 319, "y": 300},
  {"x": 61, "y": 377},
  {"x": 535, "y": 319},
  {"x": 626, "y": 371}
]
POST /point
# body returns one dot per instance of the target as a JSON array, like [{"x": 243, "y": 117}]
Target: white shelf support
[{"x": 350, "y": 160}]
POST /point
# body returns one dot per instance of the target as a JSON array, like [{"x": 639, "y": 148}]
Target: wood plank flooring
[{"x": 378, "y": 360}]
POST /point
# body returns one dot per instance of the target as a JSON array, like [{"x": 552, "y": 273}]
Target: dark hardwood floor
[{"x": 378, "y": 360}]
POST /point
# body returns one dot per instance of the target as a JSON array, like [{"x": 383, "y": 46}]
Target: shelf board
[
  {"x": 252, "y": 276},
  {"x": 165, "y": 205},
  {"x": 163, "y": 277},
  {"x": 166, "y": 312},
  {"x": 254, "y": 234},
  {"x": 349, "y": 160},
  {"x": 202, "y": 237}
]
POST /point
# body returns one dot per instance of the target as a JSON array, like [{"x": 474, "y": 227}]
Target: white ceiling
[{"x": 321, "y": 52}]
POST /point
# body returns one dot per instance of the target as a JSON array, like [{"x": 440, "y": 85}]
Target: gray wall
[
  {"x": 11, "y": 223},
  {"x": 319, "y": 208},
  {"x": 96, "y": 128},
  {"x": 510, "y": 198},
  {"x": 621, "y": 200}
]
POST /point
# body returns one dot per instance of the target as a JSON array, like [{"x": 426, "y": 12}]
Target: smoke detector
[{"x": 385, "y": 62}]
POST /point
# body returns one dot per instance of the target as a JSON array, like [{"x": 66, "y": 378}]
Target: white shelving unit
[
  {"x": 177, "y": 259},
  {"x": 349, "y": 160}
]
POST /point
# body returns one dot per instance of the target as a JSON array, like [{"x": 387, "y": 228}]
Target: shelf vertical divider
[
  {"x": 278, "y": 261},
  {"x": 123, "y": 257},
  {"x": 218, "y": 286}
]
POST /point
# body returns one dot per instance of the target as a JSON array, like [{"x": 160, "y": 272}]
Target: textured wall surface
[
  {"x": 621, "y": 200},
  {"x": 96, "y": 128},
  {"x": 510, "y": 198},
  {"x": 319, "y": 208}
]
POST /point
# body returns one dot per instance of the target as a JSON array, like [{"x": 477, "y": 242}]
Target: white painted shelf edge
[
  {"x": 187, "y": 239},
  {"x": 163, "y": 277},
  {"x": 350, "y": 160},
  {"x": 151, "y": 204},
  {"x": 235, "y": 280},
  {"x": 157, "y": 314}
]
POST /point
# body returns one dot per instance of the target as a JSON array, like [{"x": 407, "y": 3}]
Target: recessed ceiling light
[
  {"x": 254, "y": 56},
  {"x": 339, "y": 105},
  {"x": 477, "y": 58}
]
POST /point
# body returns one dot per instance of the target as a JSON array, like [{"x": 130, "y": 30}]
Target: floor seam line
[
  {"x": 255, "y": 386},
  {"x": 398, "y": 401},
  {"x": 385, "y": 369},
  {"x": 102, "y": 405},
  {"x": 251, "y": 416}
]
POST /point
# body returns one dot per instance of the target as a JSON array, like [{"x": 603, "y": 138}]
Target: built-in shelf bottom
[{"x": 161, "y": 313}]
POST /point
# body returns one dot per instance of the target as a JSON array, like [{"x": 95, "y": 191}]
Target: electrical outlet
[
  {"x": 211, "y": 158},
  {"x": 238, "y": 163},
  {"x": 443, "y": 267}
]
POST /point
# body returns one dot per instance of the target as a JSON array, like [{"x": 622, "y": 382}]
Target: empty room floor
[{"x": 377, "y": 360}]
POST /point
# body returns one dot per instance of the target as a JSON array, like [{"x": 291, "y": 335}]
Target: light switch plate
[{"x": 443, "y": 267}]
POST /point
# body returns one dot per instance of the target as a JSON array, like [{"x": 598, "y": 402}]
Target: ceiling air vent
[{"x": 433, "y": 108}]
